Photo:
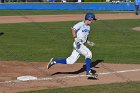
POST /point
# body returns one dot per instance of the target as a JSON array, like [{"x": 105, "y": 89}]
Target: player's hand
[
  {"x": 91, "y": 43},
  {"x": 78, "y": 42}
]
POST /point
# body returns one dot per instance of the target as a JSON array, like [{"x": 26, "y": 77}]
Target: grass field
[
  {"x": 128, "y": 87},
  {"x": 41, "y": 41},
  {"x": 115, "y": 41},
  {"x": 49, "y": 12}
]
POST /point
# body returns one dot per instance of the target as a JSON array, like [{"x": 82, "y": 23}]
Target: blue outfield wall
[{"x": 70, "y": 6}]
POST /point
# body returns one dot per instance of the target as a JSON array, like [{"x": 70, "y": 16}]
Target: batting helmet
[{"x": 90, "y": 16}]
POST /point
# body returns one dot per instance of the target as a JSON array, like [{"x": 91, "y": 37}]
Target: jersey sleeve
[{"x": 77, "y": 26}]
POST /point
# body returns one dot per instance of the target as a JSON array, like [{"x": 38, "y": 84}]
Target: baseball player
[
  {"x": 80, "y": 33},
  {"x": 137, "y": 3}
]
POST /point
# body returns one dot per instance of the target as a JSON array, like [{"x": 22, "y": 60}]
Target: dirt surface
[
  {"x": 136, "y": 28},
  {"x": 62, "y": 75},
  {"x": 68, "y": 17}
]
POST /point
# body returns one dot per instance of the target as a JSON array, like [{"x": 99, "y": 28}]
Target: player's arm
[
  {"x": 74, "y": 33},
  {"x": 75, "y": 28},
  {"x": 90, "y": 42}
]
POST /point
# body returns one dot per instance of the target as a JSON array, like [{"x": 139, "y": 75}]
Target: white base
[{"x": 26, "y": 78}]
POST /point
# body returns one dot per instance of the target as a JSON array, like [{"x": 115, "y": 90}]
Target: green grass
[
  {"x": 128, "y": 87},
  {"x": 115, "y": 41},
  {"x": 49, "y": 12},
  {"x": 37, "y": 12}
]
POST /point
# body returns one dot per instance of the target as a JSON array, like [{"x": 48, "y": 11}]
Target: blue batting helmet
[{"x": 90, "y": 16}]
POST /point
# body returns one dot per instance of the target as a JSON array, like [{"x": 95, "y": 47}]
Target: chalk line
[{"x": 72, "y": 76}]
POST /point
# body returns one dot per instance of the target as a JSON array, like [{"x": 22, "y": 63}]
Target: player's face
[{"x": 89, "y": 21}]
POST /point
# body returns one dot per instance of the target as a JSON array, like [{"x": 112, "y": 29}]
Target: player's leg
[
  {"x": 137, "y": 9},
  {"x": 86, "y": 52},
  {"x": 73, "y": 57},
  {"x": 88, "y": 55},
  {"x": 70, "y": 60}
]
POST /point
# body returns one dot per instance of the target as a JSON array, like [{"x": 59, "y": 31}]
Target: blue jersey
[{"x": 137, "y": 2}]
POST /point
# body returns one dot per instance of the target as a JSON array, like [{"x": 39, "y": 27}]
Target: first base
[{"x": 26, "y": 78}]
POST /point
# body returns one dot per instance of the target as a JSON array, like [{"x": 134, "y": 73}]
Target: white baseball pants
[{"x": 83, "y": 50}]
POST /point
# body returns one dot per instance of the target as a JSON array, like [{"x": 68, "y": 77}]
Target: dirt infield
[
  {"x": 136, "y": 28},
  {"x": 68, "y": 17},
  {"x": 62, "y": 75}
]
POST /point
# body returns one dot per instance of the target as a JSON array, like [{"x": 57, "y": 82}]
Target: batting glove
[
  {"x": 90, "y": 43},
  {"x": 78, "y": 42}
]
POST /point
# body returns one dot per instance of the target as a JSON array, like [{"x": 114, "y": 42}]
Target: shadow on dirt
[{"x": 93, "y": 64}]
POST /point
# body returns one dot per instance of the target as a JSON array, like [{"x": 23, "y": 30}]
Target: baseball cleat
[
  {"x": 51, "y": 63},
  {"x": 92, "y": 75}
]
